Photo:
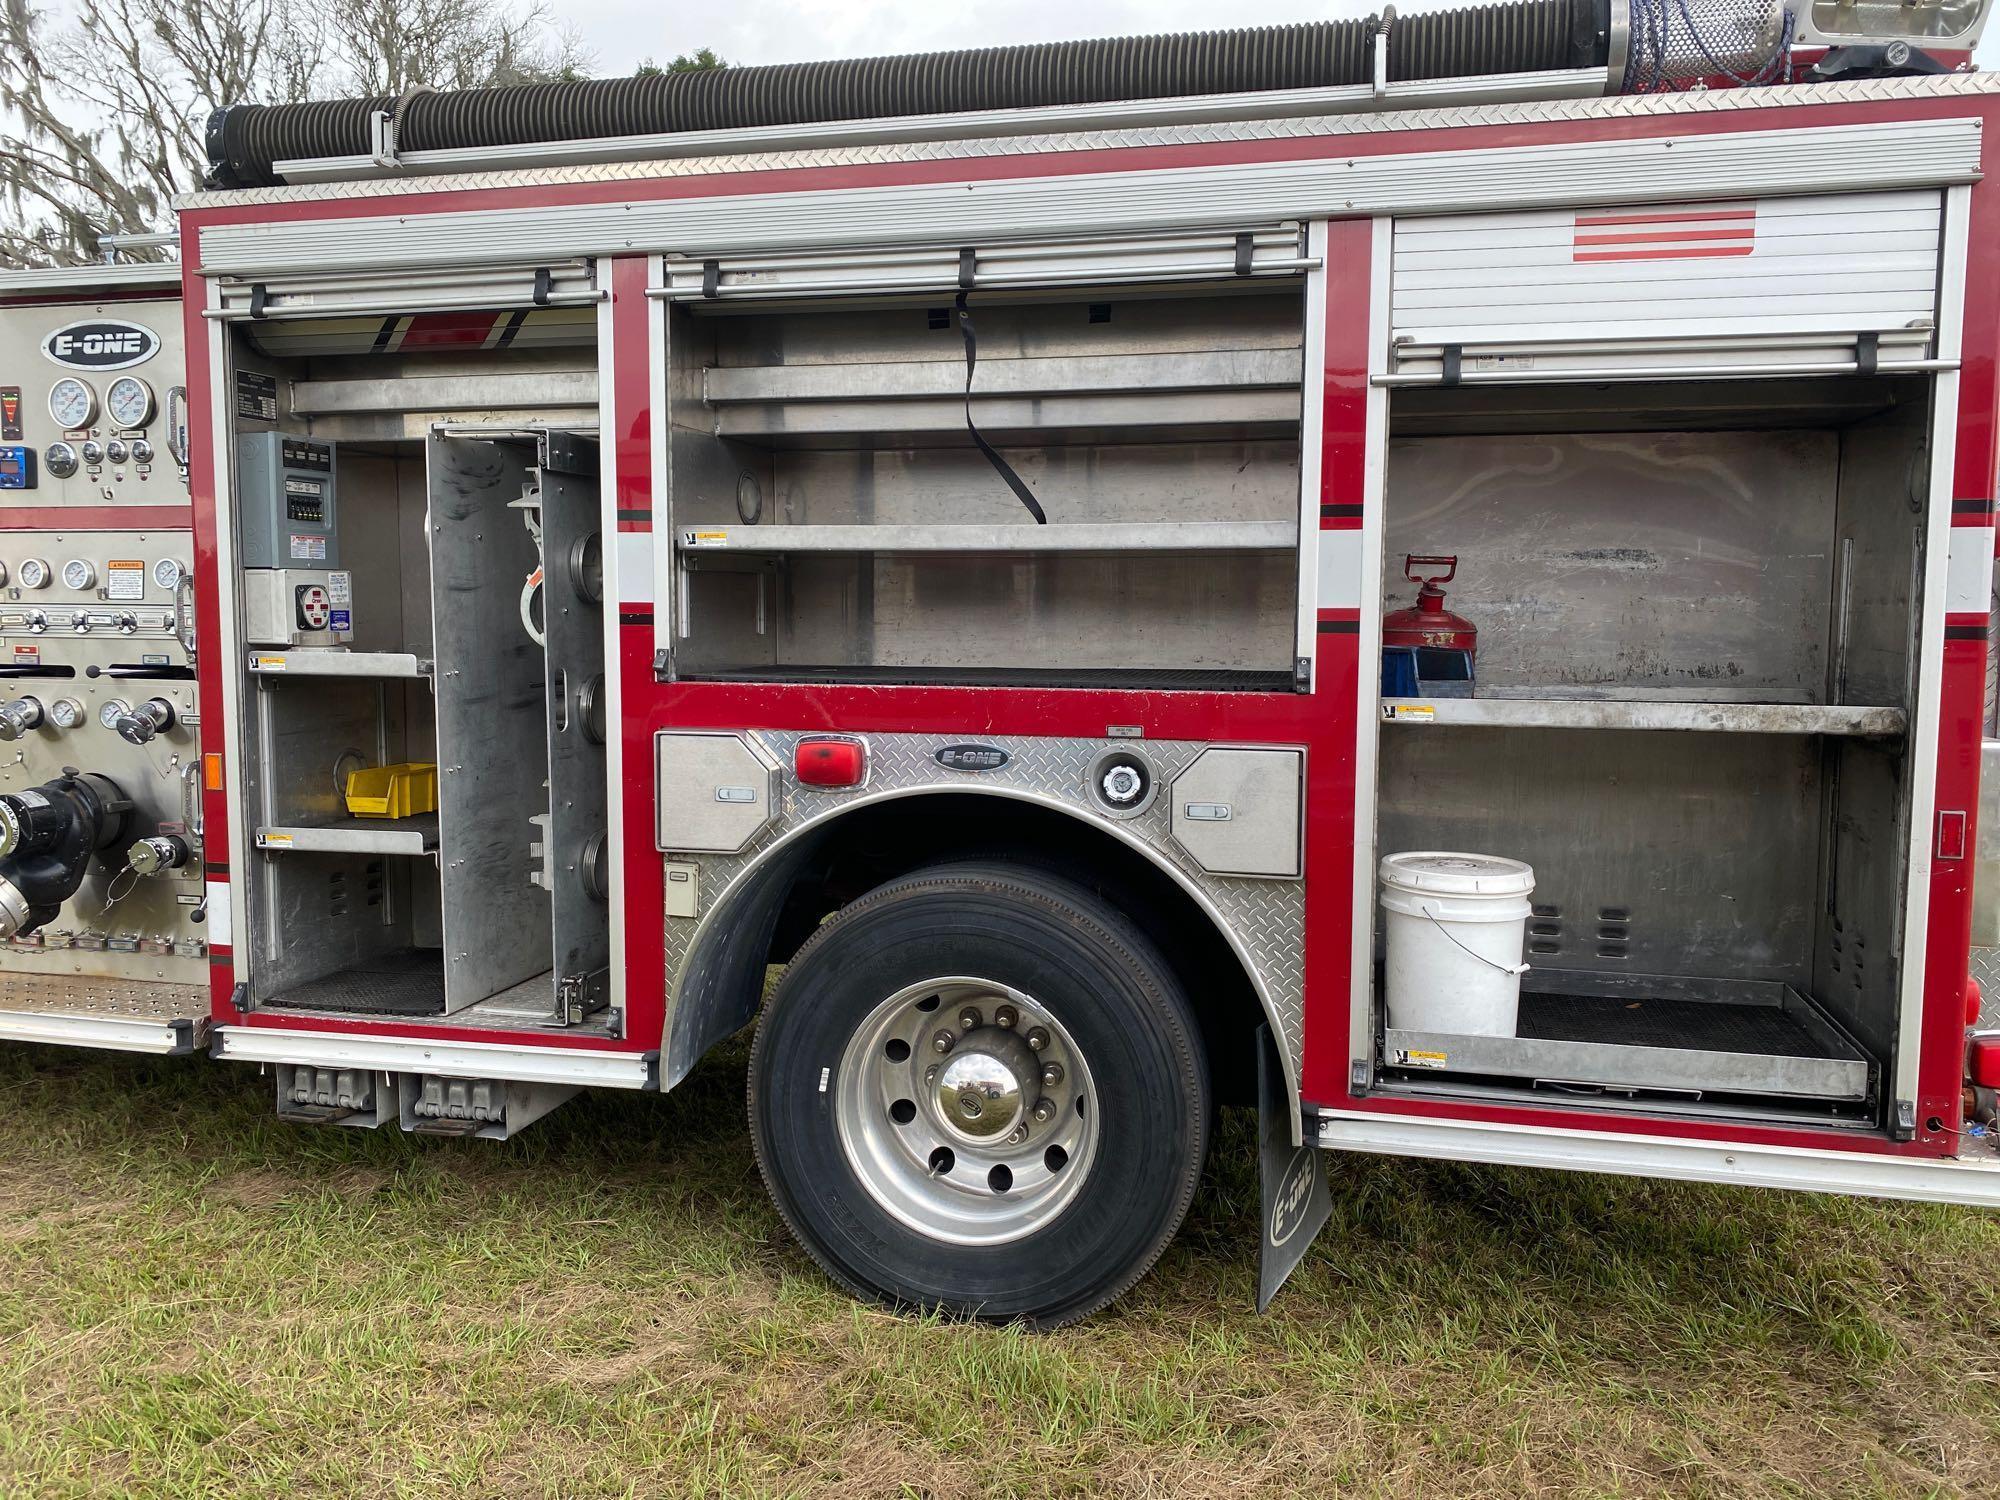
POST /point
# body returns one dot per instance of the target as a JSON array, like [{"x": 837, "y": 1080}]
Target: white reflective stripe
[
  {"x": 1340, "y": 570},
  {"x": 634, "y": 554},
  {"x": 1867, "y": 1173},
  {"x": 219, "y": 934},
  {"x": 1968, "y": 577}
]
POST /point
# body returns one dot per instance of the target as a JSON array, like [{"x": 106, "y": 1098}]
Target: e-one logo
[{"x": 101, "y": 345}]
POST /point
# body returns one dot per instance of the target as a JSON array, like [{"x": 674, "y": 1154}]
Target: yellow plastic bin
[{"x": 400, "y": 791}]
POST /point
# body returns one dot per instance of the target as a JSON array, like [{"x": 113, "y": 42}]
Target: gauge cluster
[{"x": 85, "y": 431}]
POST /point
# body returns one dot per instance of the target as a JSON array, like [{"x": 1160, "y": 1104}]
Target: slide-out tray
[{"x": 1691, "y": 1036}]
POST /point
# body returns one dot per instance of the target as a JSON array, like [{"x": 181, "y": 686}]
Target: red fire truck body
[{"x": 673, "y": 497}]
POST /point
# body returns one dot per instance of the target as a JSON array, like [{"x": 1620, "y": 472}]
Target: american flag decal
[{"x": 1688, "y": 233}]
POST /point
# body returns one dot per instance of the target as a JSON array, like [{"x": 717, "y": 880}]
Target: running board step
[{"x": 114, "y": 1015}]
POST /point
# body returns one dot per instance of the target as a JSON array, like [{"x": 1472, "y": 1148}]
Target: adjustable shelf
[
  {"x": 323, "y": 663},
  {"x": 1195, "y": 389},
  {"x": 400, "y": 836},
  {"x": 1139, "y": 536},
  {"x": 1594, "y": 713}
]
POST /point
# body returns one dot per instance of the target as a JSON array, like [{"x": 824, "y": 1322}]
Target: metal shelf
[
  {"x": 405, "y": 836},
  {"x": 336, "y": 663},
  {"x": 1091, "y": 536},
  {"x": 1598, "y": 713}
]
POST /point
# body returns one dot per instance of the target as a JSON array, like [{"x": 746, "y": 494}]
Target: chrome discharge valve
[
  {"x": 18, "y": 717},
  {"x": 144, "y": 722},
  {"x": 157, "y": 854}
]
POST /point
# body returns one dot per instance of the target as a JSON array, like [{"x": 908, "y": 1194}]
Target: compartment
[
  {"x": 834, "y": 515},
  {"x": 1694, "y": 677},
  {"x": 467, "y": 569}
]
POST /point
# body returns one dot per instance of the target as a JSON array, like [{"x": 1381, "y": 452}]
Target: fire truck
[{"x": 1429, "y": 575}]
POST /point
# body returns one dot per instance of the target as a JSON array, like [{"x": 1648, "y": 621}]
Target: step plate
[{"x": 117, "y": 1015}]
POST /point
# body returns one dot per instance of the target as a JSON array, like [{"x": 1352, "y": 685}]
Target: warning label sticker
[
  {"x": 1401, "y": 711},
  {"x": 308, "y": 549},
  {"x": 1407, "y": 1059},
  {"x": 125, "y": 578},
  {"x": 340, "y": 587}
]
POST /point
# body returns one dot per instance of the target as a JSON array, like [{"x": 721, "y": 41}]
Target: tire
[{"x": 847, "y": 1130}]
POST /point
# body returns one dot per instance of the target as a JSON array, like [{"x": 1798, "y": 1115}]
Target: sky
[{"x": 770, "y": 31}]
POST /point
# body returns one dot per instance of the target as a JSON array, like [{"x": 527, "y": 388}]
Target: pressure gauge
[
  {"x": 72, "y": 403},
  {"x": 34, "y": 573},
  {"x": 142, "y": 451},
  {"x": 93, "y": 452},
  {"x": 65, "y": 713},
  {"x": 129, "y": 402},
  {"x": 116, "y": 451},
  {"x": 168, "y": 573},
  {"x": 79, "y": 574},
  {"x": 112, "y": 712},
  {"x": 60, "y": 460}
]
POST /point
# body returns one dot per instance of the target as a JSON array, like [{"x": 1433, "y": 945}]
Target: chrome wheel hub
[{"x": 966, "y": 1110}]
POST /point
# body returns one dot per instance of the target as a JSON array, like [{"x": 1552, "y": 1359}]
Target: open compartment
[
  {"x": 433, "y": 603},
  {"x": 1698, "y": 615},
  {"x": 835, "y": 515}
]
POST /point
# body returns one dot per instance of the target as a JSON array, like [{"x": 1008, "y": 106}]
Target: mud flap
[{"x": 1296, "y": 1199}]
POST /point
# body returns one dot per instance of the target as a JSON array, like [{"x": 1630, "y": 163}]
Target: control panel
[
  {"x": 97, "y": 674},
  {"x": 93, "y": 405}
]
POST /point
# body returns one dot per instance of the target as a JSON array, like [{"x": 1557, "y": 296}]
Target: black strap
[{"x": 1006, "y": 470}]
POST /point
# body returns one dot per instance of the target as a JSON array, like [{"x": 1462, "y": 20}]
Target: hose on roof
[{"x": 246, "y": 141}]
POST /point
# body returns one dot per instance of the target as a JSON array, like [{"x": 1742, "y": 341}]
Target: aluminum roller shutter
[
  {"x": 1209, "y": 255},
  {"x": 351, "y": 294},
  {"x": 1824, "y": 283}
]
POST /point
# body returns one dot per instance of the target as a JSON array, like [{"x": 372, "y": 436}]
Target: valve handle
[{"x": 1413, "y": 561}]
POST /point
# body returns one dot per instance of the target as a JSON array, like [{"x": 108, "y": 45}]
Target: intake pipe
[
  {"x": 246, "y": 141},
  {"x": 48, "y": 835}
]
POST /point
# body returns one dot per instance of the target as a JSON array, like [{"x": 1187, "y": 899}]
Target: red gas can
[{"x": 1430, "y": 624}]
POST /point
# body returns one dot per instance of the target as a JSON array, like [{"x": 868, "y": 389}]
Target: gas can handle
[{"x": 1413, "y": 561}]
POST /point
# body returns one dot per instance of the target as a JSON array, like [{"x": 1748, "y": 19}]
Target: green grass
[{"x": 196, "y": 1300}]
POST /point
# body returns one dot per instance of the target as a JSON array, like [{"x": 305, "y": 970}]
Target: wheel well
[{"x": 857, "y": 851}]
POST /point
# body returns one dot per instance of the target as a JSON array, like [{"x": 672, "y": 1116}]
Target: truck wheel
[{"x": 979, "y": 1089}]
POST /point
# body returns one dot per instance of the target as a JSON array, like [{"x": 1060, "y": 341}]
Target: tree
[
  {"x": 701, "y": 60},
  {"x": 102, "y": 109}
]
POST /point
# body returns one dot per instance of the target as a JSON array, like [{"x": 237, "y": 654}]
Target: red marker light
[{"x": 830, "y": 762}]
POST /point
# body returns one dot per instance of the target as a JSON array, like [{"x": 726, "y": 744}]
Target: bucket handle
[{"x": 1513, "y": 970}]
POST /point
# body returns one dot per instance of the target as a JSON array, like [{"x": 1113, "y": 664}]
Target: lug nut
[
  {"x": 1019, "y": 1134},
  {"x": 969, "y": 1018},
  {"x": 944, "y": 1041},
  {"x": 930, "y": 1075},
  {"x": 1045, "y": 1111},
  {"x": 1051, "y": 1074},
  {"x": 1006, "y": 1018},
  {"x": 1037, "y": 1038}
]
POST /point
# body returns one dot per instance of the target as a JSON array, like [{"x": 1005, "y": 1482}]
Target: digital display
[{"x": 17, "y": 468}]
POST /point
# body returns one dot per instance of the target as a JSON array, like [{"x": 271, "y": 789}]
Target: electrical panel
[{"x": 286, "y": 501}]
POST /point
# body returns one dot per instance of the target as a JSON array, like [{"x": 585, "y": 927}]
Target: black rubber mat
[
  {"x": 410, "y": 983},
  {"x": 1710, "y": 1025}
]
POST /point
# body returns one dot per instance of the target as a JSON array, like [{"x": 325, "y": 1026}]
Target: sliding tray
[{"x": 1647, "y": 1032}]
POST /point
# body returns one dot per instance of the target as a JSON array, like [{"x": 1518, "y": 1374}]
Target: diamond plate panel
[
  {"x": 136, "y": 1000},
  {"x": 1264, "y": 919},
  {"x": 1622, "y": 106},
  {"x": 1986, "y": 969}
]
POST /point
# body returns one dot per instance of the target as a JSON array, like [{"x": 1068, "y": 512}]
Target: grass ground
[{"x": 196, "y": 1300}]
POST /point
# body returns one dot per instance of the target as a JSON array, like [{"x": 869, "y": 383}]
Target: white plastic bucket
[{"x": 1456, "y": 925}]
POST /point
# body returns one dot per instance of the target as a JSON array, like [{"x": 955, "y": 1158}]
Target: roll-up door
[
  {"x": 354, "y": 294},
  {"x": 1828, "y": 284},
  {"x": 1212, "y": 255}
]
